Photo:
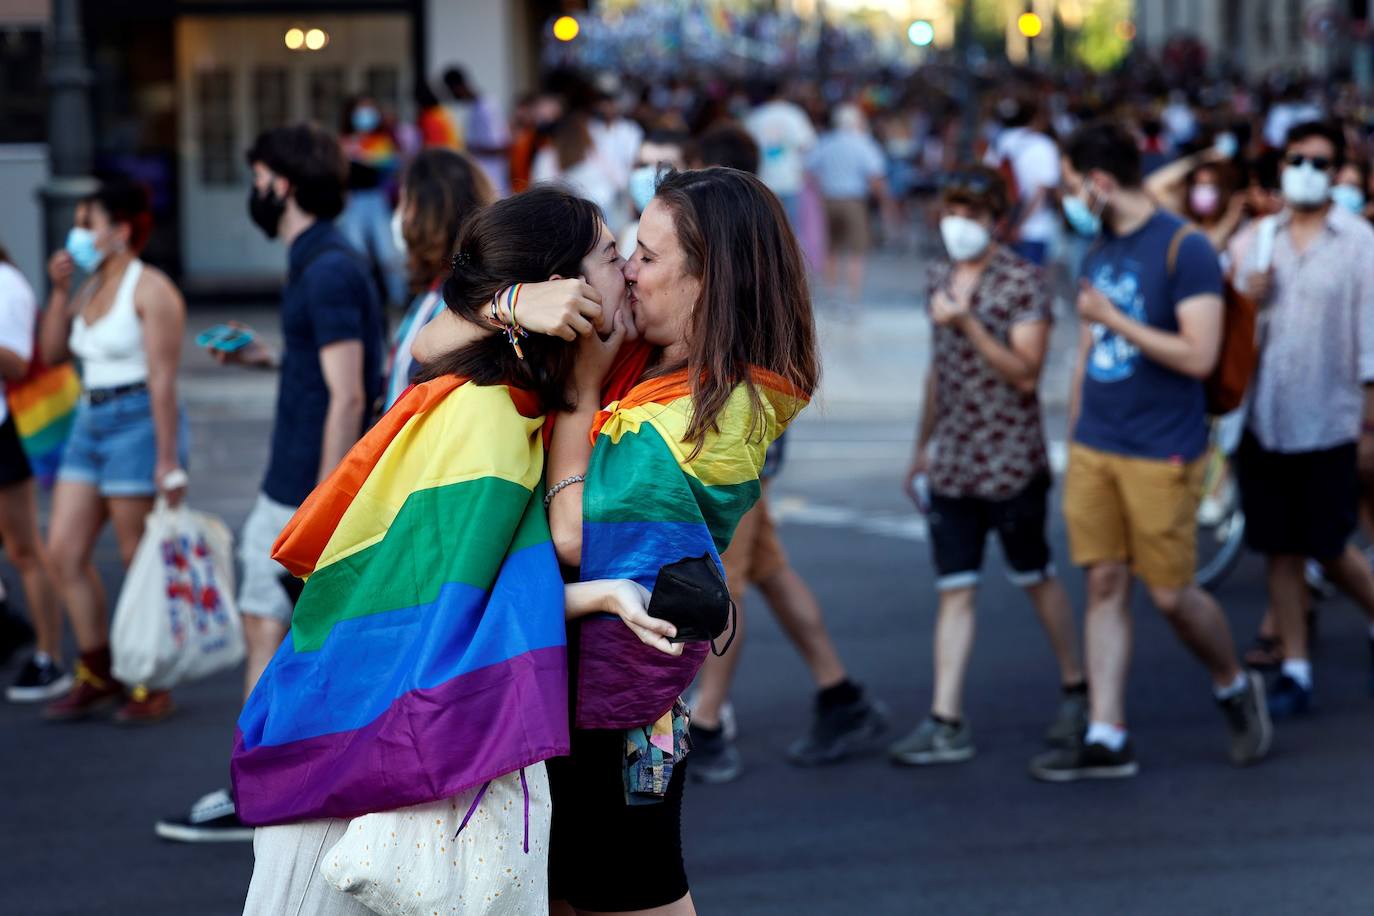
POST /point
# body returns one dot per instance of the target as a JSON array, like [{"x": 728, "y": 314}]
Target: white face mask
[
  {"x": 964, "y": 239},
  {"x": 397, "y": 236},
  {"x": 1305, "y": 186}
]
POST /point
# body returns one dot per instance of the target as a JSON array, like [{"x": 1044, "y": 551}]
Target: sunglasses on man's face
[
  {"x": 1320, "y": 163},
  {"x": 969, "y": 182}
]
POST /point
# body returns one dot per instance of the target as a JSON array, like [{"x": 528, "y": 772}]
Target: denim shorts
[{"x": 113, "y": 446}]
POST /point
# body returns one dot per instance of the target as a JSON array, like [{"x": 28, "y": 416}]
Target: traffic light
[
  {"x": 1030, "y": 25},
  {"x": 921, "y": 33}
]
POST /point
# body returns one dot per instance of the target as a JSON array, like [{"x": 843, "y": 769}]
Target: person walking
[
  {"x": 784, "y": 134},
  {"x": 42, "y": 677},
  {"x": 129, "y": 442},
  {"x": 850, "y": 169},
  {"x": 1150, "y": 308},
  {"x": 981, "y": 449},
  {"x": 1023, "y": 149},
  {"x": 484, "y": 131},
  {"x": 1299, "y": 468},
  {"x": 374, "y": 162}
]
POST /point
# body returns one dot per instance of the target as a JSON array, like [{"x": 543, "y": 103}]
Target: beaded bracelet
[{"x": 561, "y": 486}]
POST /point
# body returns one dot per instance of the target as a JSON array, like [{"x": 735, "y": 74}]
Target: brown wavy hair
[
  {"x": 526, "y": 238},
  {"x": 754, "y": 309},
  {"x": 442, "y": 188}
]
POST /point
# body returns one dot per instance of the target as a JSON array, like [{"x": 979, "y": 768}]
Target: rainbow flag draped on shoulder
[
  {"x": 427, "y": 653},
  {"x": 648, "y": 501}
]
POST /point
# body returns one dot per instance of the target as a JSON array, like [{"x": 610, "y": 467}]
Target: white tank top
[{"x": 111, "y": 350}]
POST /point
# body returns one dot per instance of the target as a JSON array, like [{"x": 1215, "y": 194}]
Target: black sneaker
[
  {"x": 212, "y": 819},
  {"x": 714, "y": 758},
  {"x": 840, "y": 731},
  {"x": 1091, "y": 761},
  {"x": 15, "y": 632},
  {"x": 1247, "y": 715},
  {"x": 38, "y": 682}
]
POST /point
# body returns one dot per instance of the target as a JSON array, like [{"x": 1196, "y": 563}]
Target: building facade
[{"x": 181, "y": 87}]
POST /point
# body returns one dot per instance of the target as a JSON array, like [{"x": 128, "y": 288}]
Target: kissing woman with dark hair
[{"x": 424, "y": 680}]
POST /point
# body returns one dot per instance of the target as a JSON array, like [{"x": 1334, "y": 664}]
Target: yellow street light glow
[
  {"x": 1030, "y": 25},
  {"x": 565, "y": 28},
  {"x": 316, "y": 39},
  {"x": 294, "y": 39}
]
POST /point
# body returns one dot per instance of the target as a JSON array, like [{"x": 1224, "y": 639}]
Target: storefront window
[{"x": 219, "y": 154}]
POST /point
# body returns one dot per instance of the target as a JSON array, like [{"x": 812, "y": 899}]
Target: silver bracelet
[{"x": 561, "y": 486}]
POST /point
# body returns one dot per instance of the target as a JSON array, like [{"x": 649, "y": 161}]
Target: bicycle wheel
[{"x": 1220, "y": 523}]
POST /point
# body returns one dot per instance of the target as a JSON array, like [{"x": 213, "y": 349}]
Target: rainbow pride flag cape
[
  {"x": 44, "y": 408},
  {"x": 648, "y": 501},
  {"x": 428, "y": 651}
]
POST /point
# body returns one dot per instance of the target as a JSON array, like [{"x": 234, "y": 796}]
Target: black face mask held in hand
[
  {"x": 266, "y": 210},
  {"x": 692, "y": 595}
]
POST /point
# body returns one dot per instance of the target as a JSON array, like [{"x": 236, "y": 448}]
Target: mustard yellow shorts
[
  {"x": 1135, "y": 510},
  {"x": 756, "y": 552}
]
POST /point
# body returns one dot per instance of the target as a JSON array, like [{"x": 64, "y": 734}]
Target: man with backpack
[
  {"x": 1310, "y": 423},
  {"x": 1150, "y": 334},
  {"x": 331, "y": 375}
]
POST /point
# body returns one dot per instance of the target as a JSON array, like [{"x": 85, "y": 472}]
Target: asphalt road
[{"x": 1189, "y": 835}]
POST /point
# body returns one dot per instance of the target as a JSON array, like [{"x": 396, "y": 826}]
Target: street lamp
[
  {"x": 565, "y": 28},
  {"x": 69, "y": 125},
  {"x": 921, "y": 33}
]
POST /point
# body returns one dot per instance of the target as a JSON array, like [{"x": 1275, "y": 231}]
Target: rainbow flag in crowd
[
  {"x": 648, "y": 501},
  {"x": 44, "y": 408},
  {"x": 427, "y": 653}
]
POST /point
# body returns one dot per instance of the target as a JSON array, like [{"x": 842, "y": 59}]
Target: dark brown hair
[
  {"x": 311, "y": 159},
  {"x": 572, "y": 140},
  {"x": 128, "y": 202},
  {"x": 754, "y": 309},
  {"x": 523, "y": 239},
  {"x": 441, "y": 189},
  {"x": 980, "y": 187}
]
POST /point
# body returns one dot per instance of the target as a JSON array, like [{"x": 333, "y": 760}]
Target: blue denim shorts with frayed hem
[{"x": 113, "y": 446}]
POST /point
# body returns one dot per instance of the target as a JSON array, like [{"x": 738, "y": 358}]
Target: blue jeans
[{"x": 113, "y": 446}]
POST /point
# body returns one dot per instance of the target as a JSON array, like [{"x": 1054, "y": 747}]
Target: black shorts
[
  {"x": 959, "y": 527},
  {"x": 14, "y": 462},
  {"x": 605, "y": 855},
  {"x": 1303, "y": 504}
]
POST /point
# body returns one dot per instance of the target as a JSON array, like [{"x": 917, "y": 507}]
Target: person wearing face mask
[
  {"x": 981, "y": 448},
  {"x": 1299, "y": 468},
  {"x": 129, "y": 441},
  {"x": 1348, "y": 191},
  {"x": 660, "y": 151},
  {"x": 1201, "y": 189},
  {"x": 374, "y": 161},
  {"x": 1150, "y": 312},
  {"x": 331, "y": 377}
]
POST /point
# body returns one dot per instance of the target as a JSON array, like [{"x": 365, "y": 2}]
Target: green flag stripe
[{"x": 456, "y": 533}]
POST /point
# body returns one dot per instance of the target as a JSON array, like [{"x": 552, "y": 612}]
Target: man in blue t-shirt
[
  {"x": 331, "y": 375},
  {"x": 1150, "y": 306}
]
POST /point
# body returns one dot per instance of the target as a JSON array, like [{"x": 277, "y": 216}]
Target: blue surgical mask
[
  {"x": 1348, "y": 196},
  {"x": 643, "y": 184},
  {"x": 366, "y": 119},
  {"x": 81, "y": 246},
  {"x": 1081, "y": 217}
]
